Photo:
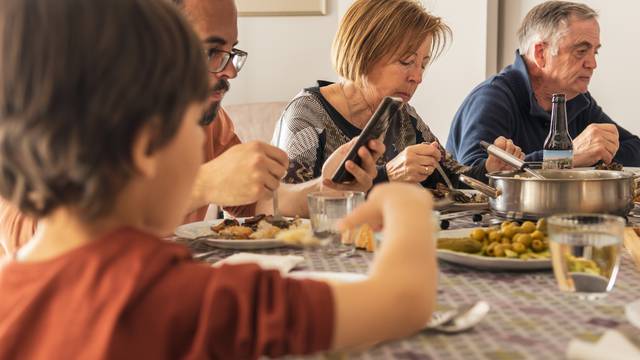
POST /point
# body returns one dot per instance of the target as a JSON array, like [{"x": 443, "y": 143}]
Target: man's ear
[
  {"x": 540, "y": 54},
  {"x": 144, "y": 160}
]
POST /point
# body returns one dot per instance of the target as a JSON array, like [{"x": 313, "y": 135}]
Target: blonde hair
[{"x": 372, "y": 30}]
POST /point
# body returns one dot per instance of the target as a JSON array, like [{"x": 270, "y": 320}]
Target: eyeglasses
[{"x": 217, "y": 60}]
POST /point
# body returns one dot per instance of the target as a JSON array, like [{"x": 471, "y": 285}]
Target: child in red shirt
[{"x": 100, "y": 103}]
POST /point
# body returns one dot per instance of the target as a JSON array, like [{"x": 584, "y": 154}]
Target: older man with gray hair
[{"x": 559, "y": 43}]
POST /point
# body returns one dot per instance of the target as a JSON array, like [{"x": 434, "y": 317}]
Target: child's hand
[{"x": 401, "y": 200}]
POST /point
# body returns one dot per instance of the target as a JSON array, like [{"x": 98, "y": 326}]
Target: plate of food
[
  {"x": 463, "y": 199},
  {"x": 258, "y": 232},
  {"x": 510, "y": 246}
]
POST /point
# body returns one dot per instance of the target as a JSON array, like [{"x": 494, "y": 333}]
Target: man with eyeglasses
[
  {"x": 238, "y": 174},
  {"x": 240, "y": 177}
]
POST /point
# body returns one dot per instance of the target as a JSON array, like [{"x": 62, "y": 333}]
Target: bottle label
[{"x": 557, "y": 159}]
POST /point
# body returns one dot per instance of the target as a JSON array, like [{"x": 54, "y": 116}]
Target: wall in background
[
  {"x": 287, "y": 54},
  {"x": 615, "y": 82}
]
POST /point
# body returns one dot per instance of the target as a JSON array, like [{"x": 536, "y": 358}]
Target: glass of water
[
  {"x": 585, "y": 252},
  {"x": 326, "y": 209}
]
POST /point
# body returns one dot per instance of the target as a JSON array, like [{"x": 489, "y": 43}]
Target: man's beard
[{"x": 211, "y": 113}]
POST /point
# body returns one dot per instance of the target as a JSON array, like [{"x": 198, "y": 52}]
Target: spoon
[
  {"x": 459, "y": 320},
  {"x": 510, "y": 159}
]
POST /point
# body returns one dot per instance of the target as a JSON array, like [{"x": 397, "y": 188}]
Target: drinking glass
[
  {"x": 326, "y": 209},
  {"x": 585, "y": 252}
]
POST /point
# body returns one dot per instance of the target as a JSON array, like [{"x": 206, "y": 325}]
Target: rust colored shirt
[
  {"x": 16, "y": 229},
  {"x": 130, "y": 295},
  {"x": 220, "y": 136}
]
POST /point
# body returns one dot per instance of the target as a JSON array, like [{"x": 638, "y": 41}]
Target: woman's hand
[
  {"x": 415, "y": 163},
  {"x": 363, "y": 174},
  {"x": 495, "y": 164}
]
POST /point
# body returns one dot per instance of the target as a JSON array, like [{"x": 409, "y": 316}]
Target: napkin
[
  {"x": 283, "y": 263},
  {"x": 612, "y": 345}
]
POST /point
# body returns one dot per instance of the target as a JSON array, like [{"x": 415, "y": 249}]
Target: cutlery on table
[{"x": 460, "y": 319}]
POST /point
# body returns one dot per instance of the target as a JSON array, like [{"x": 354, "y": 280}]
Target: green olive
[
  {"x": 537, "y": 235},
  {"x": 542, "y": 225},
  {"x": 495, "y": 235},
  {"x": 537, "y": 245},
  {"x": 498, "y": 251},
  {"x": 528, "y": 227},
  {"x": 509, "y": 231},
  {"x": 519, "y": 247},
  {"x": 525, "y": 239},
  {"x": 478, "y": 235}
]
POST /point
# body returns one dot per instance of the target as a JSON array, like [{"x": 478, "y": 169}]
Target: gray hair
[{"x": 548, "y": 22}]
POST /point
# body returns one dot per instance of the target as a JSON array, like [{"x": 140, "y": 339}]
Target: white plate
[
  {"x": 327, "y": 276},
  {"x": 486, "y": 262},
  {"x": 469, "y": 206},
  {"x": 633, "y": 169},
  {"x": 203, "y": 228}
]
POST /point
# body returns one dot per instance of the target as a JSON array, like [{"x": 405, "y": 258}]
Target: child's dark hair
[{"x": 78, "y": 80}]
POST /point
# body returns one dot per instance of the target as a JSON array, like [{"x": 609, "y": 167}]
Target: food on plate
[
  {"x": 363, "y": 237},
  {"x": 613, "y": 166},
  {"x": 441, "y": 191},
  {"x": 465, "y": 245},
  {"x": 235, "y": 232},
  {"x": 298, "y": 235},
  {"x": 257, "y": 227},
  {"x": 510, "y": 240}
]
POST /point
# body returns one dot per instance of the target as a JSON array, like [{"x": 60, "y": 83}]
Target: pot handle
[{"x": 480, "y": 186}]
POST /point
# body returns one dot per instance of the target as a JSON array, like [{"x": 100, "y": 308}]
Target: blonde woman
[{"x": 382, "y": 48}]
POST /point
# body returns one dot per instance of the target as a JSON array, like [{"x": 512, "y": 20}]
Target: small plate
[
  {"x": 486, "y": 262},
  {"x": 327, "y": 276},
  {"x": 203, "y": 228}
]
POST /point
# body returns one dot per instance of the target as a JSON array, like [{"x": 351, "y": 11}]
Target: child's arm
[{"x": 398, "y": 297}]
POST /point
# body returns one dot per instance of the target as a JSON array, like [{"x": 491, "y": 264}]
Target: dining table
[{"x": 530, "y": 318}]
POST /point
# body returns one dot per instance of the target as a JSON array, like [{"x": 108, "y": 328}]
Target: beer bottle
[{"x": 558, "y": 147}]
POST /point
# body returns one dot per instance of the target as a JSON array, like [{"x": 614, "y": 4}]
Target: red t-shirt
[{"x": 132, "y": 295}]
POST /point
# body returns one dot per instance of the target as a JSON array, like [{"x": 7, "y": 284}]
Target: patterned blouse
[{"x": 311, "y": 129}]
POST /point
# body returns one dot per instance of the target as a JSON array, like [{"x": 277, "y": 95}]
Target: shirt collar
[{"x": 574, "y": 106}]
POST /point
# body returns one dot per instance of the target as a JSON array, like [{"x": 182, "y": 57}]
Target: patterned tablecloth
[{"x": 529, "y": 319}]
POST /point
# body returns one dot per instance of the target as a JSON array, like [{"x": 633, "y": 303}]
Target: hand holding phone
[{"x": 376, "y": 128}]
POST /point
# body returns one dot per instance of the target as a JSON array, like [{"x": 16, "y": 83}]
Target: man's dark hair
[{"x": 79, "y": 79}]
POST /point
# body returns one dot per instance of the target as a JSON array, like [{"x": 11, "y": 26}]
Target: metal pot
[{"x": 515, "y": 194}]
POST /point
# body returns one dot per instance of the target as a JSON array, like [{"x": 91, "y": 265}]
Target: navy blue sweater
[{"x": 504, "y": 105}]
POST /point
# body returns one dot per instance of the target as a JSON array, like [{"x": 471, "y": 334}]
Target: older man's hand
[
  {"x": 363, "y": 174},
  {"x": 495, "y": 164},
  {"x": 597, "y": 142}
]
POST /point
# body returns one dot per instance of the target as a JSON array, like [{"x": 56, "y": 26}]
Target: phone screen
[{"x": 376, "y": 128}]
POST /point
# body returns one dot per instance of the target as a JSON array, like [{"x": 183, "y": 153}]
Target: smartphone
[{"x": 376, "y": 128}]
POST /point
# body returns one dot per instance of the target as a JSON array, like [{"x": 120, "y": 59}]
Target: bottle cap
[{"x": 558, "y": 98}]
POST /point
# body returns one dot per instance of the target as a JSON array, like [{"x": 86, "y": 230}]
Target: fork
[
  {"x": 276, "y": 208},
  {"x": 444, "y": 176}
]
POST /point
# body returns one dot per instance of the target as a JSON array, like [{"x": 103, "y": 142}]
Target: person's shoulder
[
  {"x": 306, "y": 108},
  {"x": 495, "y": 87},
  {"x": 504, "y": 91}
]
